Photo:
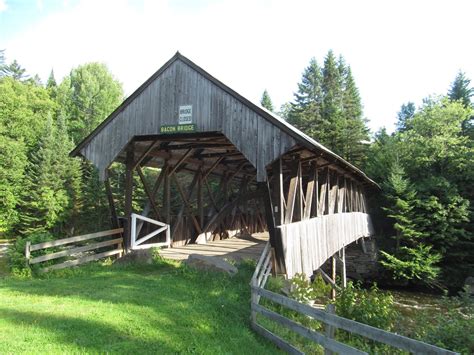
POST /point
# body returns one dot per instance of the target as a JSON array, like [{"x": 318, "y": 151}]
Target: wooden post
[
  {"x": 128, "y": 197},
  {"x": 110, "y": 198},
  {"x": 330, "y": 330},
  {"x": 200, "y": 205},
  {"x": 333, "y": 276},
  {"x": 166, "y": 196},
  {"x": 344, "y": 275},
  {"x": 27, "y": 253}
]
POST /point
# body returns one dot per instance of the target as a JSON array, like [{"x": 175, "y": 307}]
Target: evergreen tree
[
  {"x": 354, "y": 145},
  {"x": 266, "y": 101},
  {"x": 15, "y": 71},
  {"x": 52, "y": 86},
  {"x": 406, "y": 113},
  {"x": 305, "y": 113},
  {"x": 44, "y": 199},
  {"x": 328, "y": 108},
  {"x": 461, "y": 90},
  {"x": 411, "y": 258}
]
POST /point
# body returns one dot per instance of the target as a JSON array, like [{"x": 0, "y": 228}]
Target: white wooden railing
[{"x": 139, "y": 243}]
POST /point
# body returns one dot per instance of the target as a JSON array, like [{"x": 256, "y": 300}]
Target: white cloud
[
  {"x": 398, "y": 51},
  {"x": 3, "y": 6}
]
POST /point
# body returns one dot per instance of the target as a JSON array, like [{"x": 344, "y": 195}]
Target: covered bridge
[{"x": 234, "y": 165}]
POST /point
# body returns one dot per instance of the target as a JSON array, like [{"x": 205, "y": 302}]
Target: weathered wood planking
[
  {"x": 214, "y": 110},
  {"x": 311, "y": 242}
]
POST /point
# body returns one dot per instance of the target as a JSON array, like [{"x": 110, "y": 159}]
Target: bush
[
  {"x": 454, "y": 328},
  {"x": 16, "y": 253},
  {"x": 371, "y": 306},
  {"x": 303, "y": 290}
]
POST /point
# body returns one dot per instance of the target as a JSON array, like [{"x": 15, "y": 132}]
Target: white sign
[{"x": 185, "y": 114}]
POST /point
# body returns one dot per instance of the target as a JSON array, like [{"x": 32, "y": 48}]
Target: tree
[
  {"x": 15, "y": 71},
  {"x": 305, "y": 113},
  {"x": 44, "y": 200},
  {"x": 355, "y": 132},
  {"x": 461, "y": 90},
  {"x": 87, "y": 96},
  {"x": 52, "y": 86},
  {"x": 406, "y": 113},
  {"x": 266, "y": 101},
  {"x": 411, "y": 260},
  {"x": 328, "y": 108}
]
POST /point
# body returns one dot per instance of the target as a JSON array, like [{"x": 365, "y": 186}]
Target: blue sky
[{"x": 399, "y": 51}]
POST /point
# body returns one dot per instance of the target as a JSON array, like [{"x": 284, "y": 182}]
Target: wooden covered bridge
[{"x": 232, "y": 165}]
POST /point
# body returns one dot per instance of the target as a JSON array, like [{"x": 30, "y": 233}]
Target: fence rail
[
  {"x": 73, "y": 250},
  {"x": 330, "y": 320}
]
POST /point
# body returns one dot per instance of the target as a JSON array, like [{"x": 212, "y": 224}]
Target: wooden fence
[
  {"x": 75, "y": 251},
  {"x": 309, "y": 243},
  {"x": 330, "y": 320}
]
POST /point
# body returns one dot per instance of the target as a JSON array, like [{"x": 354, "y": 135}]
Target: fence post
[
  {"x": 133, "y": 232},
  {"x": 168, "y": 236},
  {"x": 27, "y": 253},
  {"x": 329, "y": 329}
]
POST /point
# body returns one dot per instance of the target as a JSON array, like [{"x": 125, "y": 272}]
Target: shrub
[
  {"x": 303, "y": 290},
  {"x": 454, "y": 328},
  {"x": 369, "y": 306},
  {"x": 16, "y": 253}
]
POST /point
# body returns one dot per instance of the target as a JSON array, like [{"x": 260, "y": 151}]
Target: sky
[{"x": 399, "y": 51}]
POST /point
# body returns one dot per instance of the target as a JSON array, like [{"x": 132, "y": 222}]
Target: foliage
[
  {"x": 16, "y": 253},
  {"x": 452, "y": 329},
  {"x": 304, "y": 290},
  {"x": 129, "y": 309},
  {"x": 404, "y": 116},
  {"x": 461, "y": 90},
  {"x": 87, "y": 96},
  {"x": 417, "y": 264},
  {"x": 368, "y": 306},
  {"x": 328, "y": 108},
  {"x": 266, "y": 101}
]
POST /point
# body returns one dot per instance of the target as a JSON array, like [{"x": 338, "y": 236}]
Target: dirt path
[{"x": 3, "y": 257}]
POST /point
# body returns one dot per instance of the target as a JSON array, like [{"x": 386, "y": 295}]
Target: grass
[{"x": 164, "y": 308}]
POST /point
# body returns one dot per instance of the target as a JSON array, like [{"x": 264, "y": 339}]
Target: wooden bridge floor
[{"x": 233, "y": 248}]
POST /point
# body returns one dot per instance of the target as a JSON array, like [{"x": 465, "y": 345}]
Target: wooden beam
[
  {"x": 213, "y": 166},
  {"x": 145, "y": 153},
  {"x": 187, "y": 204},
  {"x": 200, "y": 206},
  {"x": 179, "y": 216},
  {"x": 167, "y": 197},
  {"x": 148, "y": 192},
  {"x": 128, "y": 197},
  {"x": 181, "y": 160},
  {"x": 308, "y": 206},
  {"x": 292, "y": 193},
  {"x": 110, "y": 198}
]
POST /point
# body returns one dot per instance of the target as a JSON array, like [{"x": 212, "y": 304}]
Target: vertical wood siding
[{"x": 214, "y": 110}]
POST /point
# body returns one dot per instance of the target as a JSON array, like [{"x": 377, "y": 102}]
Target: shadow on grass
[
  {"x": 86, "y": 335},
  {"x": 192, "y": 311}
]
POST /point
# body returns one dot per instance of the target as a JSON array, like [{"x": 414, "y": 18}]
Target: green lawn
[{"x": 157, "y": 309}]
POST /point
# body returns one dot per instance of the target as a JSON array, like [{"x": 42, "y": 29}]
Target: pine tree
[
  {"x": 461, "y": 90},
  {"x": 406, "y": 113},
  {"x": 266, "y": 101},
  {"x": 354, "y": 145},
  {"x": 44, "y": 198},
  {"x": 15, "y": 71},
  {"x": 305, "y": 113},
  {"x": 412, "y": 259},
  {"x": 52, "y": 86}
]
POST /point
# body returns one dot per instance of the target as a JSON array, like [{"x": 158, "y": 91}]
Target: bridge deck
[{"x": 233, "y": 248}]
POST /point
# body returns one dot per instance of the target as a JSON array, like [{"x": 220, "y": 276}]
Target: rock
[
  {"x": 469, "y": 285},
  {"x": 211, "y": 263},
  {"x": 140, "y": 256}
]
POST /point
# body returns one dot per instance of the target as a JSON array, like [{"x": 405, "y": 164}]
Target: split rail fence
[
  {"x": 76, "y": 248},
  {"x": 330, "y": 320}
]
